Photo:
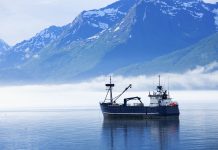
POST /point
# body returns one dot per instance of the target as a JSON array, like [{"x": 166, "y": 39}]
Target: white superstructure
[{"x": 160, "y": 97}]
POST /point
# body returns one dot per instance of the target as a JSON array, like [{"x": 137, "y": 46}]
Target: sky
[{"x": 22, "y": 19}]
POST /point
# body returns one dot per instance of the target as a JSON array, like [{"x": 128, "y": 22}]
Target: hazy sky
[{"x": 21, "y": 19}]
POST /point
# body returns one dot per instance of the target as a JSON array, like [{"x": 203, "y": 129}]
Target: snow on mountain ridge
[
  {"x": 93, "y": 22},
  {"x": 39, "y": 40},
  {"x": 29, "y": 48},
  {"x": 101, "y": 13},
  {"x": 172, "y": 8}
]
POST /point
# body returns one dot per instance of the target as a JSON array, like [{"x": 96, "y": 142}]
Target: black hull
[{"x": 138, "y": 112}]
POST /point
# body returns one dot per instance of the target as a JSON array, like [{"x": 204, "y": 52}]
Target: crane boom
[{"x": 115, "y": 99}]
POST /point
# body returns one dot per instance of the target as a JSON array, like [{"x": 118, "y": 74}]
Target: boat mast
[
  {"x": 110, "y": 87},
  {"x": 111, "y": 95}
]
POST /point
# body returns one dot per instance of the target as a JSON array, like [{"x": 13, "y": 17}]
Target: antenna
[
  {"x": 159, "y": 80},
  {"x": 168, "y": 86},
  {"x": 153, "y": 82}
]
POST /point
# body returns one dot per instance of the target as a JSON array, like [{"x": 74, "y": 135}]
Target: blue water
[{"x": 83, "y": 129}]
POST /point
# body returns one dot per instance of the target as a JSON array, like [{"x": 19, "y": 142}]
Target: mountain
[
  {"x": 102, "y": 41},
  {"x": 87, "y": 24},
  {"x": 203, "y": 53},
  {"x": 156, "y": 28},
  {"x": 29, "y": 49},
  {"x": 47, "y": 52}
]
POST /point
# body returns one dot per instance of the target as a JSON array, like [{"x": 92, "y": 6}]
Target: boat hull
[{"x": 138, "y": 112}]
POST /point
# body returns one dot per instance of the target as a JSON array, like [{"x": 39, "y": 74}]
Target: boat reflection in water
[{"x": 140, "y": 134}]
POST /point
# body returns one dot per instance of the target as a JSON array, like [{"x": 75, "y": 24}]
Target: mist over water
[
  {"x": 196, "y": 86},
  {"x": 66, "y": 97}
]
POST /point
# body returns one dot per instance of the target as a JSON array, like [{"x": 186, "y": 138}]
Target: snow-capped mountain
[
  {"x": 30, "y": 48},
  {"x": 89, "y": 23},
  {"x": 86, "y": 25},
  {"x": 154, "y": 28},
  {"x": 102, "y": 41}
]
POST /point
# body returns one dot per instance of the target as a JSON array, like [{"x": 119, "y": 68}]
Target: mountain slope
[
  {"x": 141, "y": 35},
  {"x": 29, "y": 49},
  {"x": 160, "y": 27},
  {"x": 80, "y": 56},
  {"x": 69, "y": 52},
  {"x": 86, "y": 25},
  {"x": 200, "y": 54}
]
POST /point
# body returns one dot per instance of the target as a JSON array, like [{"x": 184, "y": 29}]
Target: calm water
[{"x": 86, "y": 129}]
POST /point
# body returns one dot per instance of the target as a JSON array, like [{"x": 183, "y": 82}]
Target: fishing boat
[{"x": 161, "y": 104}]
